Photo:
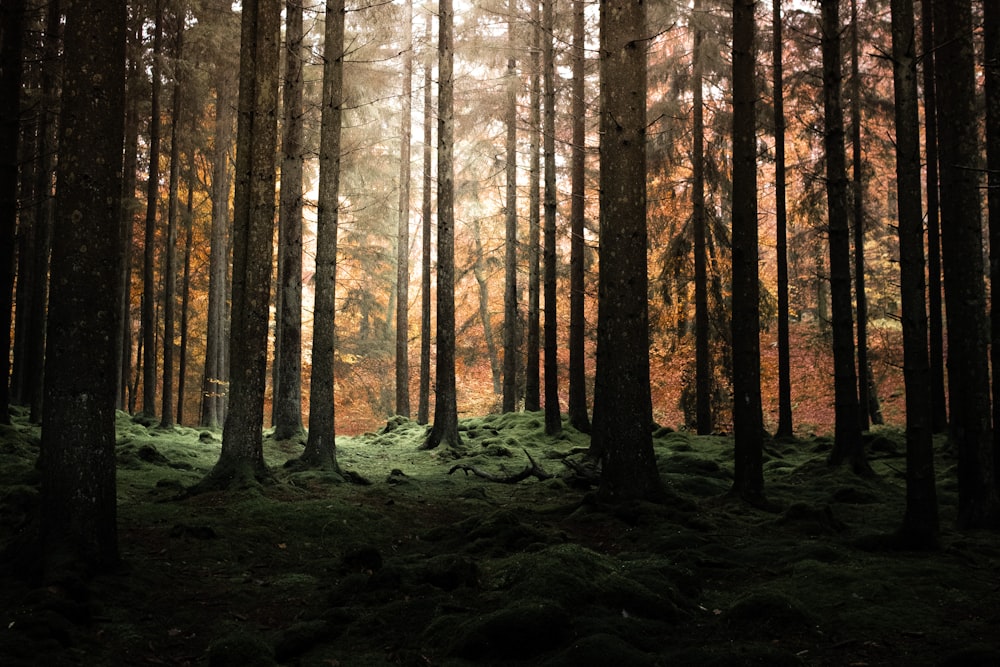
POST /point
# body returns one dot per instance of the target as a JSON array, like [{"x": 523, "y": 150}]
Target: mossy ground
[{"x": 420, "y": 567}]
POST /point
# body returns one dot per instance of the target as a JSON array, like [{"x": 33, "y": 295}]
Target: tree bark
[
  {"x": 423, "y": 401},
  {"x": 553, "y": 419},
  {"x": 857, "y": 199},
  {"x": 703, "y": 361},
  {"x": 287, "y": 387},
  {"x": 920, "y": 521},
  {"x": 510, "y": 299},
  {"x": 403, "y": 223},
  {"x": 532, "y": 379},
  {"x": 445, "y": 428},
  {"x": 848, "y": 446},
  {"x": 78, "y": 529},
  {"x": 622, "y": 403},
  {"x": 991, "y": 66}
]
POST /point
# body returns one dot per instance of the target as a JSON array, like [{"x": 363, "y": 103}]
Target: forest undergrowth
[{"x": 419, "y": 561}]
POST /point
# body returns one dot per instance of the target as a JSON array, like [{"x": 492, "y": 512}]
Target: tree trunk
[
  {"x": 213, "y": 386},
  {"x": 577, "y": 409},
  {"x": 962, "y": 245},
  {"x": 991, "y": 65},
  {"x": 532, "y": 379},
  {"x": 130, "y": 206},
  {"x": 403, "y": 223},
  {"x": 423, "y": 403},
  {"x": 553, "y": 419},
  {"x": 241, "y": 462},
  {"x": 857, "y": 197},
  {"x": 479, "y": 272},
  {"x": 920, "y": 522},
  {"x": 703, "y": 360},
  {"x": 622, "y": 404},
  {"x": 186, "y": 284},
  {"x": 510, "y": 304},
  {"x": 287, "y": 388},
  {"x": 445, "y": 429},
  {"x": 78, "y": 528},
  {"x": 935, "y": 323},
  {"x": 170, "y": 260},
  {"x": 748, "y": 425},
  {"x": 149, "y": 248},
  {"x": 321, "y": 447},
  {"x": 11, "y": 71},
  {"x": 785, "y": 429},
  {"x": 848, "y": 445}
]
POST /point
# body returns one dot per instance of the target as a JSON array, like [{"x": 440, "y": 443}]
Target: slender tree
[
  {"x": 748, "y": 424},
  {"x": 423, "y": 405},
  {"x": 510, "y": 305},
  {"x": 130, "y": 206},
  {"x": 403, "y": 223},
  {"x": 848, "y": 445},
  {"x": 553, "y": 419},
  {"x": 962, "y": 246},
  {"x": 920, "y": 521},
  {"x": 532, "y": 372},
  {"x": 703, "y": 361},
  {"x": 577, "y": 409},
  {"x": 182, "y": 353},
  {"x": 445, "y": 429},
  {"x": 781, "y": 228},
  {"x": 241, "y": 462},
  {"x": 287, "y": 386},
  {"x": 321, "y": 447},
  {"x": 78, "y": 520},
  {"x": 935, "y": 321},
  {"x": 11, "y": 68},
  {"x": 622, "y": 434},
  {"x": 991, "y": 44}
]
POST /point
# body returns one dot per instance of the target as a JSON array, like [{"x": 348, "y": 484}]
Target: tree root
[{"x": 532, "y": 470}]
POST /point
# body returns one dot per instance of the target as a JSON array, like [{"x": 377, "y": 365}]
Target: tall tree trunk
[
  {"x": 577, "y": 409},
  {"x": 920, "y": 522},
  {"x": 510, "y": 305},
  {"x": 149, "y": 247},
  {"x": 553, "y": 419},
  {"x": 848, "y": 445},
  {"x": 991, "y": 65},
  {"x": 962, "y": 245},
  {"x": 213, "y": 385},
  {"x": 241, "y": 462},
  {"x": 78, "y": 519},
  {"x": 623, "y": 409},
  {"x": 423, "y": 401},
  {"x": 182, "y": 359},
  {"x": 130, "y": 206},
  {"x": 785, "y": 429},
  {"x": 703, "y": 361},
  {"x": 170, "y": 260},
  {"x": 287, "y": 387},
  {"x": 935, "y": 322},
  {"x": 479, "y": 272},
  {"x": 403, "y": 223},
  {"x": 11, "y": 71},
  {"x": 748, "y": 424},
  {"x": 445, "y": 429},
  {"x": 532, "y": 379},
  {"x": 857, "y": 198},
  {"x": 321, "y": 447}
]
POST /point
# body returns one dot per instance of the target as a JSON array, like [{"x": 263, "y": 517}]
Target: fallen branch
[{"x": 533, "y": 470}]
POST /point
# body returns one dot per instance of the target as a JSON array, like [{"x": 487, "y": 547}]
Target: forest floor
[{"x": 421, "y": 567}]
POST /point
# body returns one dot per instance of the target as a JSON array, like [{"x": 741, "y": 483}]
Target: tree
[
  {"x": 241, "y": 462},
  {"x": 622, "y": 434},
  {"x": 920, "y": 521},
  {"x": 78, "y": 520},
  {"x": 991, "y": 42},
  {"x": 962, "y": 248},
  {"x": 182, "y": 356},
  {"x": 287, "y": 407},
  {"x": 149, "y": 247},
  {"x": 11, "y": 68},
  {"x": 532, "y": 375},
  {"x": 781, "y": 230},
  {"x": 748, "y": 425},
  {"x": 703, "y": 367},
  {"x": 577, "y": 408},
  {"x": 553, "y": 420},
  {"x": 510, "y": 305},
  {"x": 848, "y": 445},
  {"x": 423, "y": 405},
  {"x": 403, "y": 229},
  {"x": 445, "y": 429}
]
